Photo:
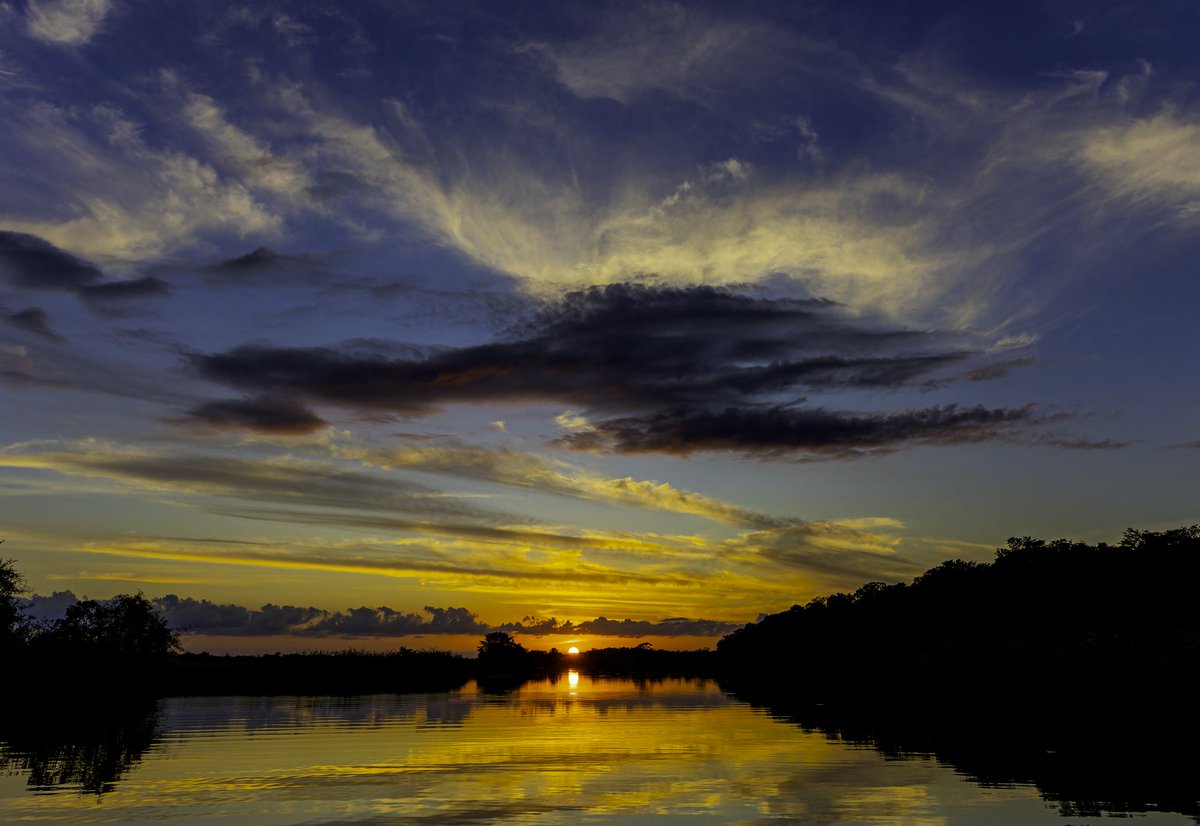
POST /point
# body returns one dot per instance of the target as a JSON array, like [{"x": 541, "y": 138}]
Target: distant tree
[
  {"x": 499, "y": 644},
  {"x": 498, "y": 652}
]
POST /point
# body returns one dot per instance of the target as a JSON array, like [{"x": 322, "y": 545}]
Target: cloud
[
  {"x": 279, "y": 480},
  {"x": 201, "y": 616},
  {"x": 264, "y": 264},
  {"x": 245, "y": 155},
  {"x": 603, "y": 626},
  {"x": 31, "y": 319},
  {"x": 263, "y": 414},
  {"x": 609, "y": 347},
  {"x": 1148, "y": 160},
  {"x": 529, "y": 470},
  {"x": 817, "y": 433},
  {"x": 1075, "y": 443},
  {"x": 385, "y": 622},
  {"x": 666, "y": 47},
  {"x": 692, "y": 368},
  {"x": 124, "y": 198},
  {"x": 559, "y": 571},
  {"x": 204, "y": 617},
  {"x": 134, "y": 288},
  {"x": 65, "y": 22},
  {"x": 48, "y": 608},
  {"x": 861, "y": 237},
  {"x": 32, "y": 263}
]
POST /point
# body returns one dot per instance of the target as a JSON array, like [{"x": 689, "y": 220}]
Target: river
[{"x": 572, "y": 750}]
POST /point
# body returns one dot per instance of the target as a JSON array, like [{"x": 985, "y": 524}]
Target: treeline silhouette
[{"x": 1045, "y": 622}]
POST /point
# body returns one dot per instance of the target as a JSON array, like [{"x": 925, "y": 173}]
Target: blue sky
[{"x": 643, "y": 311}]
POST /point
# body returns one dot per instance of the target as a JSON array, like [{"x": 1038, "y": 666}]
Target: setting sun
[{"x": 572, "y": 650}]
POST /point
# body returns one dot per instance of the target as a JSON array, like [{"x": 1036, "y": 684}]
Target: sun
[{"x": 572, "y": 650}]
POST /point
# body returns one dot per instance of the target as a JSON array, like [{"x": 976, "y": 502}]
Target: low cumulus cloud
[
  {"x": 669, "y": 369},
  {"x": 215, "y": 619},
  {"x": 201, "y": 616},
  {"x": 670, "y": 627}
]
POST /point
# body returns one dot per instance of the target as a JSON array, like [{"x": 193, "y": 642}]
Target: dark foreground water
[{"x": 575, "y": 750}]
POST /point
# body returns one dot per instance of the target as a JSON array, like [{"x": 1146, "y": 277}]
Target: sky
[{"x": 392, "y": 323}]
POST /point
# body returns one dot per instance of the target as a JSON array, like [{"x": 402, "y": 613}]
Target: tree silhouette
[
  {"x": 12, "y": 619},
  {"x": 122, "y": 628},
  {"x": 118, "y": 646},
  {"x": 499, "y": 653}
]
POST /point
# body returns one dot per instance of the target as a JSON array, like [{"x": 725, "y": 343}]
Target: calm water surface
[{"x": 575, "y": 750}]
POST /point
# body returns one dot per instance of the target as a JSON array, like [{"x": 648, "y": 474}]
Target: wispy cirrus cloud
[
  {"x": 280, "y": 480},
  {"x": 129, "y": 200},
  {"x": 1153, "y": 160},
  {"x": 577, "y": 573},
  {"x": 65, "y": 22},
  {"x": 546, "y": 475},
  {"x": 419, "y": 533}
]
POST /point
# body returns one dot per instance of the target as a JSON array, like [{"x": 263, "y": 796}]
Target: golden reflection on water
[{"x": 554, "y": 752}]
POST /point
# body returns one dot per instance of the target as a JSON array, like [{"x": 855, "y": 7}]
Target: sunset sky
[{"x": 596, "y": 322}]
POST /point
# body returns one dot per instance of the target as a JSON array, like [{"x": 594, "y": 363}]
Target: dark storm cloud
[
  {"x": 31, "y": 319},
  {"x": 32, "y": 263},
  {"x": 268, "y": 415},
  {"x": 814, "y": 431},
  {"x": 694, "y": 368},
  {"x": 613, "y": 347}
]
